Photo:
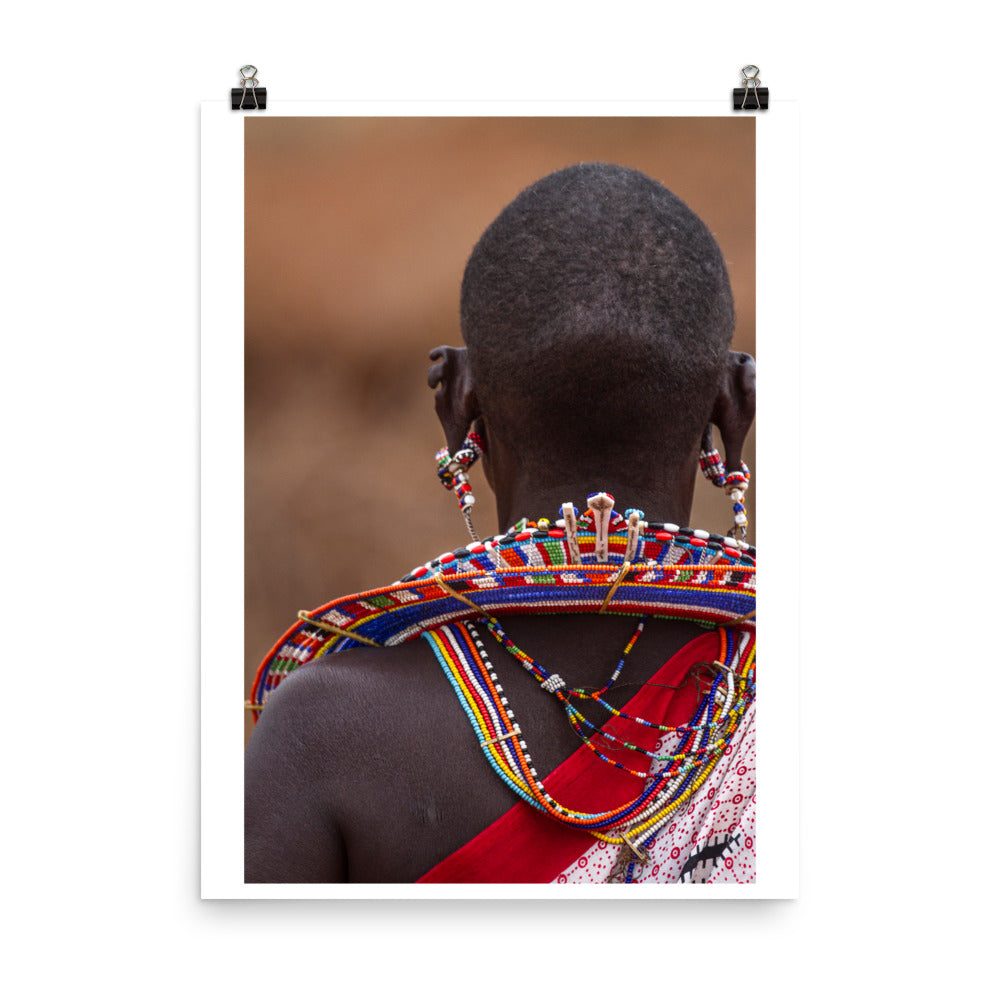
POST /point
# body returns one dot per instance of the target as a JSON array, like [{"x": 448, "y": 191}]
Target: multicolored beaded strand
[
  {"x": 712, "y": 466},
  {"x": 463, "y": 657},
  {"x": 734, "y": 483},
  {"x": 555, "y": 685},
  {"x": 745, "y": 652},
  {"x": 453, "y": 472}
]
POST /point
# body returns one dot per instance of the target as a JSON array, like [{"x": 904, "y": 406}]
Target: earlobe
[
  {"x": 455, "y": 400},
  {"x": 736, "y": 406},
  {"x": 733, "y": 413}
]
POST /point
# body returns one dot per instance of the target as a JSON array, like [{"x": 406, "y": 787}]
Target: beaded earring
[
  {"x": 734, "y": 483},
  {"x": 453, "y": 472}
]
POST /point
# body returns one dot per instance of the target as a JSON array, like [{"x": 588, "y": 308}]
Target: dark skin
[{"x": 364, "y": 768}]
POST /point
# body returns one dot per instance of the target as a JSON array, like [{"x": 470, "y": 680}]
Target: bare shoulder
[
  {"x": 349, "y": 745},
  {"x": 328, "y": 713},
  {"x": 326, "y": 689}
]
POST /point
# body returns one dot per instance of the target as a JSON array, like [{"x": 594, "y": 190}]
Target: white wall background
[{"x": 100, "y": 305}]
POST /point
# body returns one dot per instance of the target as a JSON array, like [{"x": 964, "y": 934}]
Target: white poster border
[{"x": 776, "y": 479}]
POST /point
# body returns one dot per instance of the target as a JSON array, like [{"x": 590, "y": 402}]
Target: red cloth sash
[{"x": 526, "y": 845}]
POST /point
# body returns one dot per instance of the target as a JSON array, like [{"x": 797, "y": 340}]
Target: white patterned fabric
[{"x": 711, "y": 839}]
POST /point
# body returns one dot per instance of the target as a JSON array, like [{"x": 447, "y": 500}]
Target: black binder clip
[
  {"x": 751, "y": 96},
  {"x": 257, "y": 99}
]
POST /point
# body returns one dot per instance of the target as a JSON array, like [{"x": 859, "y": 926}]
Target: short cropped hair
[{"x": 596, "y": 289}]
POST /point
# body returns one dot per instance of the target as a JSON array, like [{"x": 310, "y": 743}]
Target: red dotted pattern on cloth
[{"x": 725, "y": 806}]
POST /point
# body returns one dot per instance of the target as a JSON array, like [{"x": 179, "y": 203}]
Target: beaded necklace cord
[
  {"x": 462, "y": 654},
  {"x": 554, "y": 684}
]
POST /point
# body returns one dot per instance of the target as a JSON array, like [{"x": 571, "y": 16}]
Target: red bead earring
[
  {"x": 734, "y": 483},
  {"x": 453, "y": 472}
]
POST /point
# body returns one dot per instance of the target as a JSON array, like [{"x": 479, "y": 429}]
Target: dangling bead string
[
  {"x": 734, "y": 483},
  {"x": 688, "y": 753},
  {"x": 726, "y": 717},
  {"x": 453, "y": 473},
  {"x": 541, "y": 674},
  {"x": 524, "y": 782},
  {"x": 537, "y": 795},
  {"x": 475, "y": 682},
  {"x": 736, "y": 486},
  {"x": 554, "y": 684},
  {"x": 538, "y": 671},
  {"x": 723, "y": 718},
  {"x": 617, "y": 672}
]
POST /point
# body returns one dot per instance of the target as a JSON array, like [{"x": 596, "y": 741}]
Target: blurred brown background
[{"x": 357, "y": 233}]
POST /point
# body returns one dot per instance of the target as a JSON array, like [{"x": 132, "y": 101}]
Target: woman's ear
[
  {"x": 455, "y": 400},
  {"x": 736, "y": 406}
]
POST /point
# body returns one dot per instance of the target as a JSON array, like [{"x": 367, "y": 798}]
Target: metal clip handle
[
  {"x": 249, "y": 76},
  {"x": 750, "y": 79}
]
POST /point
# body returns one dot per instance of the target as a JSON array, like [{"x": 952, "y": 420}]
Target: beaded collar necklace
[
  {"x": 692, "y": 749},
  {"x": 556, "y": 686},
  {"x": 598, "y": 562}
]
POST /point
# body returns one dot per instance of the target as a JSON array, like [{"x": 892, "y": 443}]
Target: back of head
[{"x": 597, "y": 313}]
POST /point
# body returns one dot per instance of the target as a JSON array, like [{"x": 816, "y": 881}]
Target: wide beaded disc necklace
[{"x": 600, "y": 562}]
